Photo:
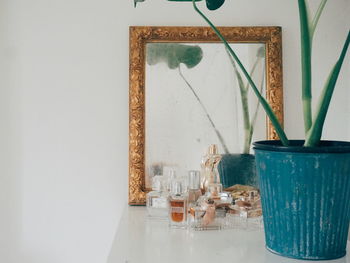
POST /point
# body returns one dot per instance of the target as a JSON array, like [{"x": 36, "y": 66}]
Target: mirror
[{"x": 186, "y": 93}]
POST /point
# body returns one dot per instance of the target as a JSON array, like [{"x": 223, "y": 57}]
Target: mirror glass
[{"x": 195, "y": 96}]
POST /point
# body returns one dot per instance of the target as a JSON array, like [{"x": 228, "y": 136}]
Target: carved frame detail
[{"x": 139, "y": 36}]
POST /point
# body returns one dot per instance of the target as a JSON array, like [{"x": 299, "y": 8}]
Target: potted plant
[{"x": 305, "y": 184}]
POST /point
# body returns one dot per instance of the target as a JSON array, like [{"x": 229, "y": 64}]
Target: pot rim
[{"x": 296, "y": 146}]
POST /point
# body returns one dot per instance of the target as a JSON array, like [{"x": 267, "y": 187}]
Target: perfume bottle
[
  {"x": 206, "y": 216},
  {"x": 194, "y": 191},
  {"x": 178, "y": 206},
  {"x": 209, "y": 165},
  {"x": 157, "y": 199}
]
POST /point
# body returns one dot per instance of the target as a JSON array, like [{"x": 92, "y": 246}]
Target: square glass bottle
[{"x": 157, "y": 199}]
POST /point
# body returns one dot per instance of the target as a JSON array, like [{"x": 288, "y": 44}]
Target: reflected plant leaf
[
  {"x": 244, "y": 89},
  {"x": 174, "y": 54},
  {"x": 261, "y": 52},
  {"x": 137, "y": 1}
]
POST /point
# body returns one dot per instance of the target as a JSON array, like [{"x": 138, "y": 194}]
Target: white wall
[{"x": 64, "y": 112}]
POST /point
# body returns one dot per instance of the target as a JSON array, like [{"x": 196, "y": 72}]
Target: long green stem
[
  {"x": 218, "y": 134},
  {"x": 314, "y": 136},
  {"x": 305, "y": 64},
  {"x": 264, "y": 103}
]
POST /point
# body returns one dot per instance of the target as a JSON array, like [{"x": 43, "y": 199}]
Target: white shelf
[{"x": 140, "y": 239}]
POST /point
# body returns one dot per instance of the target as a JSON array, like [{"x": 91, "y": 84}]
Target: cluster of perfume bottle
[{"x": 198, "y": 201}]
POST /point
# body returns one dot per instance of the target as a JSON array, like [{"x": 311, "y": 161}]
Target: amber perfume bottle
[{"x": 178, "y": 206}]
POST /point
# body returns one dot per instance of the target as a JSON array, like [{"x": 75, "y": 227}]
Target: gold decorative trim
[{"x": 139, "y": 36}]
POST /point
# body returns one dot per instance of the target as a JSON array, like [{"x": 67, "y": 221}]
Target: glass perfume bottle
[
  {"x": 178, "y": 206},
  {"x": 157, "y": 199},
  {"x": 206, "y": 216},
  {"x": 210, "y": 173},
  {"x": 194, "y": 191}
]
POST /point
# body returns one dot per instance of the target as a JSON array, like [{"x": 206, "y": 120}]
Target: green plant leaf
[
  {"x": 305, "y": 64},
  {"x": 315, "y": 134},
  {"x": 214, "y": 4},
  {"x": 174, "y": 54}
]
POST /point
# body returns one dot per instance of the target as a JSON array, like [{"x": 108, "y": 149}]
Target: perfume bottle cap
[
  {"x": 213, "y": 149},
  {"x": 194, "y": 180},
  {"x": 177, "y": 188}
]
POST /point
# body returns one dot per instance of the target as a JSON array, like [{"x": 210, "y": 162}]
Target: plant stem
[
  {"x": 305, "y": 64},
  {"x": 218, "y": 134},
  {"x": 314, "y": 136},
  {"x": 262, "y": 100}
]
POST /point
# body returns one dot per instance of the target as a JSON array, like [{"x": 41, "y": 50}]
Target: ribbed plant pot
[
  {"x": 237, "y": 169},
  {"x": 305, "y": 198}
]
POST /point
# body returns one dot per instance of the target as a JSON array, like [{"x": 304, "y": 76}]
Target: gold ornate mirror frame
[{"x": 139, "y": 36}]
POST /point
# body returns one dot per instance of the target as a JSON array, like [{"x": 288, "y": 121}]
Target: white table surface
[{"x": 139, "y": 239}]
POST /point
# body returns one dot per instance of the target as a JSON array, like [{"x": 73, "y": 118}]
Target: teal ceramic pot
[
  {"x": 237, "y": 169},
  {"x": 305, "y": 198}
]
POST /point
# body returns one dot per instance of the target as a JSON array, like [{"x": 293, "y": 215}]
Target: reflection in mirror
[{"x": 195, "y": 96}]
